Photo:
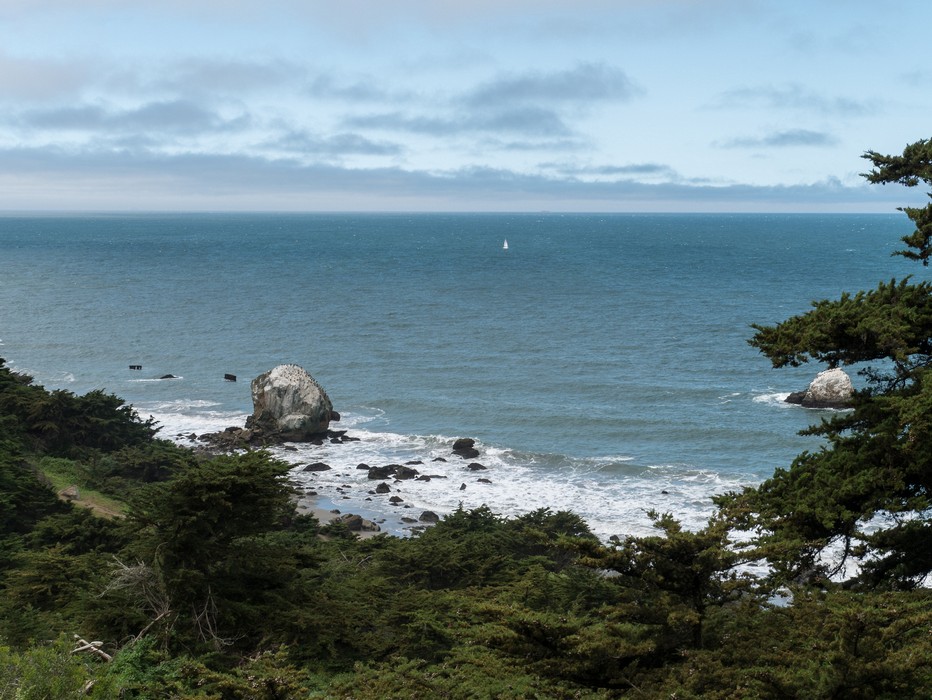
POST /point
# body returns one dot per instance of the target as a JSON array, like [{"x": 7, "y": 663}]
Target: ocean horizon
[{"x": 600, "y": 361}]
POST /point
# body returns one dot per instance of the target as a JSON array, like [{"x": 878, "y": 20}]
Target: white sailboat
[{"x": 505, "y": 246}]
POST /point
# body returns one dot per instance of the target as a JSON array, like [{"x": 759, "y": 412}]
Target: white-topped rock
[
  {"x": 289, "y": 403},
  {"x": 832, "y": 388}
]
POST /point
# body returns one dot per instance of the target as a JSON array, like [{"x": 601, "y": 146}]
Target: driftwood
[{"x": 91, "y": 648}]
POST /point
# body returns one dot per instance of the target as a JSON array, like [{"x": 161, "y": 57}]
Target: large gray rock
[
  {"x": 289, "y": 404},
  {"x": 831, "y": 388}
]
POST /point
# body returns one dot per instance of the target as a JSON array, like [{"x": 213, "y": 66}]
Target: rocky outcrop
[
  {"x": 831, "y": 388},
  {"x": 357, "y": 523},
  {"x": 465, "y": 448},
  {"x": 289, "y": 404}
]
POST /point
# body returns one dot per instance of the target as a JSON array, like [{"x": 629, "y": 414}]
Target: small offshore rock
[
  {"x": 383, "y": 488},
  {"x": 405, "y": 473},
  {"x": 831, "y": 388},
  {"x": 316, "y": 467},
  {"x": 465, "y": 448},
  {"x": 357, "y": 523},
  {"x": 381, "y": 472},
  {"x": 429, "y": 516},
  {"x": 475, "y": 467}
]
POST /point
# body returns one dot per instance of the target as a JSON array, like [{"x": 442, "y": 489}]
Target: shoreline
[{"x": 326, "y": 512}]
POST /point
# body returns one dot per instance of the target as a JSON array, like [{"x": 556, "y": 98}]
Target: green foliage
[
  {"x": 891, "y": 322},
  {"x": 141, "y": 671},
  {"x": 24, "y": 497},
  {"x": 60, "y": 421},
  {"x": 212, "y": 588},
  {"x": 50, "y": 671},
  {"x": 865, "y": 495},
  {"x": 838, "y": 645},
  {"x": 668, "y": 583},
  {"x": 911, "y": 168},
  {"x": 200, "y": 539}
]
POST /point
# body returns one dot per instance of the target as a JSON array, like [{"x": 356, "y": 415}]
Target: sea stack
[
  {"x": 289, "y": 404},
  {"x": 831, "y": 388}
]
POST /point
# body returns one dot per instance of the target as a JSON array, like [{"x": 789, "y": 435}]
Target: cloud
[
  {"x": 359, "y": 90},
  {"x": 56, "y": 178},
  {"x": 635, "y": 170},
  {"x": 917, "y": 78},
  {"x": 784, "y": 139},
  {"x": 586, "y": 83},
  {"x": 795, "y": 97},
  {"x": 304, "y": 143},
  {"x": 526, "y": 145},
  {"x": 39, "y": 80},
  {"x": 213, "y": 75},
  {"x": 180, "y": 117},
  {"x": 530, "y": 104},
  {"x": 533, "y": 121}
]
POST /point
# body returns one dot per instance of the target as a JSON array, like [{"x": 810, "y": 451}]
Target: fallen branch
[{"x": 90, "y": 647}]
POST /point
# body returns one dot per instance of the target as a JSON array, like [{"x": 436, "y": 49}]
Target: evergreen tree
[{"x": 865, "y": 497}]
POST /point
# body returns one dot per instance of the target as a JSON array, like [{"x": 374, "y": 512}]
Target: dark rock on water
[
  {"x": 429, "y": 516},
  {"x": 381, "y": 472},
  {"x": 357, "y": 523},
  {"x": 316, "y": 467},
  {"x": 465, "y": 448},
  {"x": 476, "y": 467},
  {"x": 405, "y": 473},
  {"x": 383, "y": 488}
]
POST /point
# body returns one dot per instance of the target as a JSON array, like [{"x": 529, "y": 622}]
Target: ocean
[{"x": 600, "y": 361}]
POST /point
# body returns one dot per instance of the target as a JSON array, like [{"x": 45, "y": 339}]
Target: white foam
[
  {"x": 611, "y": 502},
  {"x": 184, "y": 417},
  {"x": 612, "y": 493},
  {"x": 773, "y": 398}
]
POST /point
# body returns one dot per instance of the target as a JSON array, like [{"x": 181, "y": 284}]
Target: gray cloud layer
[
  {"x": 240, "y": 182},
  {"x": 785, "y": 139}
]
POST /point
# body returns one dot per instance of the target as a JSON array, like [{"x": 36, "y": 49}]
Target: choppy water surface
[{"x": 601, "y": 361}]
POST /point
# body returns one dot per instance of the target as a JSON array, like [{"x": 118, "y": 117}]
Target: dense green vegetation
[{"x": 199, "y": 580}]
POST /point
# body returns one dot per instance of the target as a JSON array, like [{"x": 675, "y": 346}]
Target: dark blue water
[{"x": 600, "y": 360}]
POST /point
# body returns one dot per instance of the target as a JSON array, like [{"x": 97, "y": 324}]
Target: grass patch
[{"x": 64, "y": 473}]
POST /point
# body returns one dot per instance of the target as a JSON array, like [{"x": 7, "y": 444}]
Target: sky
[{"x": 473, "y": 105}]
